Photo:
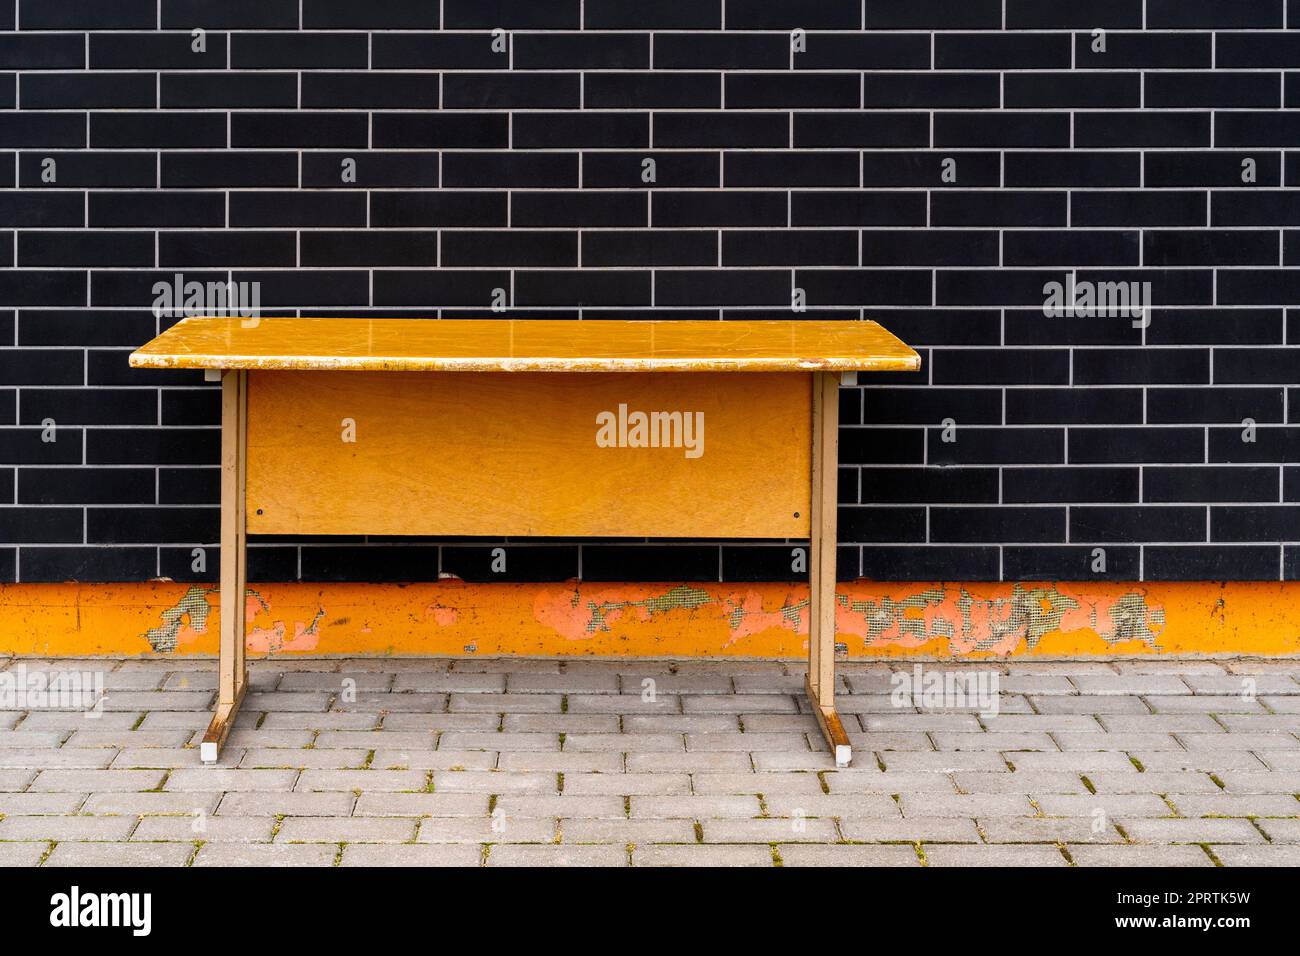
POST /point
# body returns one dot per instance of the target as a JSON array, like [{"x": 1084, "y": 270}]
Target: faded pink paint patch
[
  {"x": 442, "y": 615},
  {"x": 272, "y": 639}
]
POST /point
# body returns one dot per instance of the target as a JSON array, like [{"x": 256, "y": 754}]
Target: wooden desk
[{"x": 523, "y": 439}]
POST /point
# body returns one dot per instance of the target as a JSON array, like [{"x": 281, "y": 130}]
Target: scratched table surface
[{"x": 536, "y": 345}]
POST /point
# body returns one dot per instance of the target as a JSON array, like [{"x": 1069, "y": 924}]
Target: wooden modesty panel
[{"x": 518, "y": 454}]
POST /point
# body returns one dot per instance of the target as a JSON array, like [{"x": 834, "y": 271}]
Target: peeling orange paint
[{"x": 452, "y": 617}]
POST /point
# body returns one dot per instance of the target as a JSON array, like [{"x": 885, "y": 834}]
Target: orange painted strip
[{"x": 660, "y": 620}]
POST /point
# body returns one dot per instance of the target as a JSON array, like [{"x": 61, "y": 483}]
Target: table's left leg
[
  {"x": 821, "y": 566},
  {"x": 232, "y": 668}
]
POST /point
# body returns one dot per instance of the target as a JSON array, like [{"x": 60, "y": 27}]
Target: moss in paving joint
[
  {"x": 564, "y": 703},
  {"x": 1210, "y": 853},
  {"x": 162, "y": 783},
  {"x": 1123, "y": 833},
  {"x": 370, "y": 759},
  {"x": 762, "y": 807},
  {"x": 1137, "y": 763},
  {"x": 1038, "y": 810},
  {"x": 821, "y": 778},
  {"x": 198, "y": 845},
  {"x": 559, "y": 782},
  {"x": 776, "y": 855},
  {"x": 1065, "y": 852},
  {"x": 1254, "y": 821},
  {"x": 275, "y": 827},
  {"x": 428, "y": 783},
  {"x": 1217, "y": 782},
  {"x": 920, "y": 853},
  {"x": 880, "y": 763},
  {"x": 699, "y": 832},
  {"x": 492, "y": 803},
  {"x": 138, "y": 721},
  {"x": 338, "y": 857},
  {"x": 1088, "y": 783},
  {"x": 627, "y": 807}
]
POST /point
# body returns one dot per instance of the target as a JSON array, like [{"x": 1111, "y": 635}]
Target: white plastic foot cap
[
  {"x": 843, "y": 755},
  {"x": 208, "y": 752}
]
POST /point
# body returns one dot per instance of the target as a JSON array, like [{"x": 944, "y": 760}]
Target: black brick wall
[{"x": 819, "y": 170}]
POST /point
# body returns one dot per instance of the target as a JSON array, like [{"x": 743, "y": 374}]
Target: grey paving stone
[
  {"x": 1076, "y": 761},
  {"x": 1153, "y": 782},
  {"x": 948, "y": 761},
  {"x": 983, "y": 740},
  {"x": 638, "y": 831},
  {"x": 694, "y": 807},
  {"x": 888, "y": 782},
  {"x": 836, "y": 855},
  {"x": 320, "y": 804},
  {"x": 1111, "y": 805},
  {"x": 771, "y": 830},
  {"x": 911, "y": 830},
  {"x": 697, "y": 855},
  {"x": 574, "y": 762},
  {"x": 707, "y": 762},
  {"x": 359, "y": 780},
  {"x": 209, "y": 828},
  {"x": 456, "y": 682},
  {"x": 1000, "y": 855},
  {"x": 556, "y": 805},
  {"x": 523, "y": 854},
  {"x": 441, "y": 759},
  {"x": 509, "y": 703},
  {"x": 420, "y": 805},
  {"x": 1139, "y": 856},
  {"x": 626, "y": 784},
  {"x": 1235, "y": 804},
  {"x": 412, "y": 855},
  {"x": 562, "y": 724},
  {"x": 1022, "y": 781},
  {"x": 966, "y": 805},
  {"x": 22, "y": 854},
  {"x": 1190, "y": 831},
  {"x": 1268, "y": 855},
  {"x": 1205, "y": 761},
  {"x": 481, "y": 781},
  {"x": 1281, "y": 831},
  {"x": 346, "y": 830},
  {"x": 1048, "y": 830},
  {"x": 299, "y": 758},
  {"x": 734, "y": 783},
  {"x": 133, "y": 739},
  {"x": 66, "y": 828},
  {"x": 226, "y": 779},
  {"x": 122, "y": 854},
  {"x": 622, "y": 743},
  {"x": 86, "y": 781},
  {"x": 498, "y": 829},
  {"x": 266, "y": 854},
  {"x": 1201, "y": 704},
  {"x": 852, "y": 806},
  {"x": 38, "y": 804},
  {"x": 43, "y": 757},
  {"x": 1246, "y": 781}
]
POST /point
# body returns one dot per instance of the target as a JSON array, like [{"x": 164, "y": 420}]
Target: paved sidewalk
[{"x": 543, "y": 763}]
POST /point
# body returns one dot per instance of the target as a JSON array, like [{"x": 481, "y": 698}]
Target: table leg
[
  {"x": 820, "y": 682},
  {"x": 232, "y": 667}
]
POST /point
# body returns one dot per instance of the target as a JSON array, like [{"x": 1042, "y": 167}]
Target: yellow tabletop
[{"x": 527, "y": 345}]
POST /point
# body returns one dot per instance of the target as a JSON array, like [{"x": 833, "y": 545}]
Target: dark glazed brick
[
  {"x": 650, "y": 563},
  {"x": 1071, "y": 564},
  {"x": 526, "y": 563},
  {"x": 1212, "y": 563}
]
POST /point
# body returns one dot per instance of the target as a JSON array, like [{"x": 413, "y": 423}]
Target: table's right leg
[{"x": 232, "y": 668}]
